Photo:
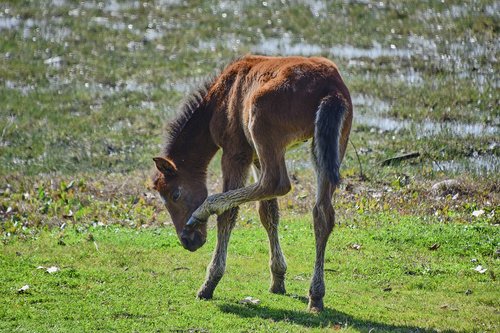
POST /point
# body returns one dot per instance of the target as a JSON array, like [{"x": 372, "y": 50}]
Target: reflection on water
[
  {"x": 374, "y": 114},
  {"x": 287, "y": 46},
  {"x": 185, "y": 86},
  {"x": 25, "y": 89},
  {"x": 480, "y": 165},
  {"x": 8, "y": 23},
  {"x": 377, "y": 51},
  {"x": 427, "y": 127},
  {"x": 373, "y": 104},
  {"x": 283, "y": 46}
]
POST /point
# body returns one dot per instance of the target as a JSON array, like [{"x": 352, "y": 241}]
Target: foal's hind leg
[
  {"x": 234, "y": 172},
  {"x": 269, "y": 216},
  {"x": 324, "y": 220}
]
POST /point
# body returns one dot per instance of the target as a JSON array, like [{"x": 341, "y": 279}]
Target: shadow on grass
[{"x": 327, "y": 319}]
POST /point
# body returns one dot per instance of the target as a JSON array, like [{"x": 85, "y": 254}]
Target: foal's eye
[{"x": 176, "y": 195}]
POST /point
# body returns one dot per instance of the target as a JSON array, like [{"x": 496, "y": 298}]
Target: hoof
[
  {"x": 205, "y": 294},
  {"x": 193, "y": 222},
  {"x": 278, "y": 288},
  {"x": 315, "y": 306}
]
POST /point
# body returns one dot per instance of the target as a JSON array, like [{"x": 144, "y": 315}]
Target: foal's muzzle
[{"x": 192, "y": 240}]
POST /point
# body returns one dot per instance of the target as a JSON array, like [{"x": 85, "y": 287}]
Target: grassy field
[
  {"x": 119, "y": 279},
  {"x": 85, "y": 91}
]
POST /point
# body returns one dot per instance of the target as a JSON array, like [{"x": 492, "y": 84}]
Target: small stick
[
  {"x": 361, "y": 176},
  {"x": 400, "y": 158}
]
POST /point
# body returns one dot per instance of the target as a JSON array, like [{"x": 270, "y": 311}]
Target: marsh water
[{"x": 429, "y": 83}]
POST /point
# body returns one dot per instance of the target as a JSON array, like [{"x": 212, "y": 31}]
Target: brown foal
[{"x": 256, "y": 108}]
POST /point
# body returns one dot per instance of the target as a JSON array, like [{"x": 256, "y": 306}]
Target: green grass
[
  {"x": 120, "y": 279},
  {"x": 85, "y": 91}
]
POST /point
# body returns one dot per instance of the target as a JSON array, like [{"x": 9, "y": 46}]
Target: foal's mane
[{"x": 192, "y": 103}]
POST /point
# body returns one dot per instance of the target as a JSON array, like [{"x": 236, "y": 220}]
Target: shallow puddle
[
  {"x": 120, "y": 86},
  {"x": 25, "y": 89},
  {"x": 373, "y": 113},
  {"x": 426, "y": 128},
  {"x": 370, "y": 103},
  {"x": 377, "y": 51},
  {"x": 287, "y": 46},
  {"x": 185, "y": 86},
  {"x": 479, "y": 165},
  {"x": 8, "y": 23},
  {"x": 58, "y": 3},
  {"x": 114, "y": 7}
]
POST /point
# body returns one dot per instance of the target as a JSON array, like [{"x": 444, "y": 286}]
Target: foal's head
[{"x": 181, "y": 193}]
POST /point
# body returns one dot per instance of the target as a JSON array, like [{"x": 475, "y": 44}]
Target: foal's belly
[{"x": 296, "y": 144}]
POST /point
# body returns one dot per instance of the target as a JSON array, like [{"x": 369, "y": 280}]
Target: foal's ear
[{"x": 165, "y": 166}]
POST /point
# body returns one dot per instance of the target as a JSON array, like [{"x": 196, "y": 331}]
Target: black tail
[{"x": 326, "y": 150}]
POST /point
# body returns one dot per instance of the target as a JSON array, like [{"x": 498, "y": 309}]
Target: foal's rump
[{"x": 294, "y": 99}]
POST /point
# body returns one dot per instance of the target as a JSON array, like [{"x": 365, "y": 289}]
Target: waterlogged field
[{"x": 87, "y": 86}]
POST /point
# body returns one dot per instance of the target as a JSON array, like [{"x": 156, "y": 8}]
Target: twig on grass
[
  {"x": 361, "y": 175},
  {"x": 400, "y": 158}
]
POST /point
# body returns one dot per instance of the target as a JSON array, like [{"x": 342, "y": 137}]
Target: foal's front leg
[
  {"x": 234, "y": 171},
  {"x": 215, "y": 271}
]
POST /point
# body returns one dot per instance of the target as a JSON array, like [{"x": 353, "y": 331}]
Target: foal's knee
[
  {"x": 283, "y": 187},
  {"x": 275, "y": 187}
]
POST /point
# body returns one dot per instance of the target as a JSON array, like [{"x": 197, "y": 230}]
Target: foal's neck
[{"x": 194, "y": 148}]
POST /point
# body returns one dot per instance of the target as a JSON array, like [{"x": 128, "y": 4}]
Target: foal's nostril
[{"x": 184, "y": 241}]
